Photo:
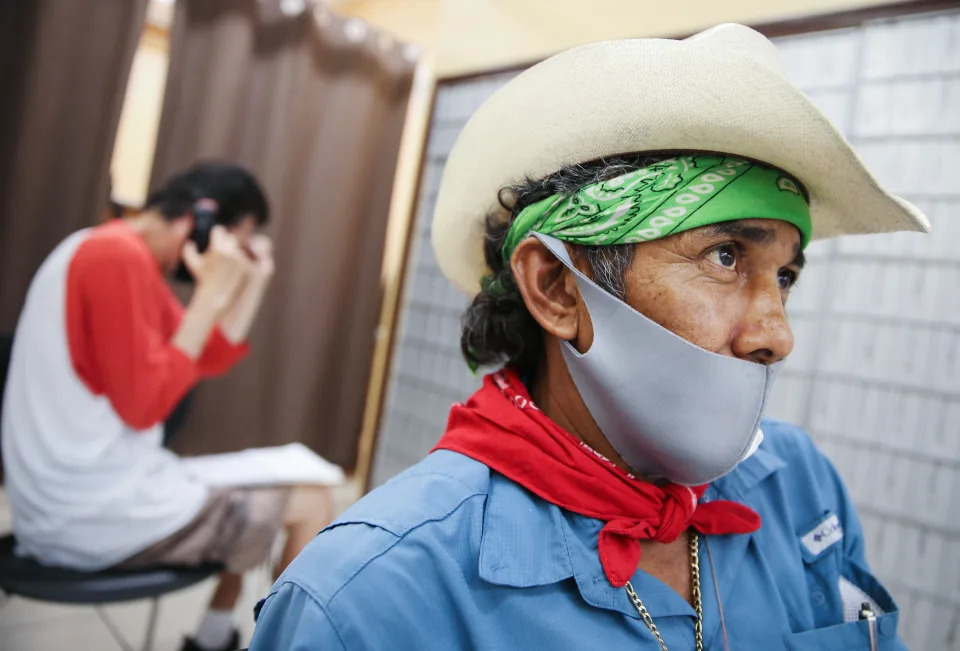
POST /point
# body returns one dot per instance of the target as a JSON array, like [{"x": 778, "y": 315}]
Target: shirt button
[
  {"x": 887, "y": 627},
  {"x": 817, "y": 598}
]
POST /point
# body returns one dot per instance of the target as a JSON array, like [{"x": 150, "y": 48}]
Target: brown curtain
[
  {"x": 317, "y": 116},
  {"x": 64, "y": 66}
]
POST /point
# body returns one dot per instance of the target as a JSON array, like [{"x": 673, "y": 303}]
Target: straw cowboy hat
[{"x": 720, "y": 90}]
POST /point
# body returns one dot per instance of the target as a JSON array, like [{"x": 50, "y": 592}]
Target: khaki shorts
[{"x": 236, "y": 527}]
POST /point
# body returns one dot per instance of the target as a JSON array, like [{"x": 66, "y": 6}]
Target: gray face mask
[{"x": 671, "y": 409}]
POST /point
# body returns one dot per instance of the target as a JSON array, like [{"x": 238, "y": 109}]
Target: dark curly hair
[{"x": 497, "y": 329}]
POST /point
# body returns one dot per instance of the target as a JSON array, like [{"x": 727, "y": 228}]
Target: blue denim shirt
[{"x": 451, "y": 555}]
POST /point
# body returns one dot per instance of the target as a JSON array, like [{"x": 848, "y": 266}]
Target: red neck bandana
[{"x": 502, "y": 428}]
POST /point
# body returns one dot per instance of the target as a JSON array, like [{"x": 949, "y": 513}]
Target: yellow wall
[
  {"x": 137, "y": 132},
  {"x": 466, "y": 36},
  {"x": 412, "y": 21}
]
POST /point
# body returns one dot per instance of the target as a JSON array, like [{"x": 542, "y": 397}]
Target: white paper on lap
[{"x": 293, "y": 463}]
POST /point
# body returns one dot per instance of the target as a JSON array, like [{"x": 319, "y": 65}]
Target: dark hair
[
  {"x": 236, "y": 191},
  {"x": 497, "y": 328}
]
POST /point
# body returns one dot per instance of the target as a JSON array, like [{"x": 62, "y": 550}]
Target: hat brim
[{"x": 721, "y": 90}]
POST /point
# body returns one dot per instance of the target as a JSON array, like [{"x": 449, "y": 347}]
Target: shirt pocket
[
  {"x": 826, "y": 567},
  {"x": 854, "y": 636}
]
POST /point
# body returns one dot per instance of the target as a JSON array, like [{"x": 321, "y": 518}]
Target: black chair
[{"x": 27, "y": 578}]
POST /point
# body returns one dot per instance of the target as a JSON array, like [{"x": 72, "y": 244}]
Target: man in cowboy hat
[{"x": 612, "y": 485}]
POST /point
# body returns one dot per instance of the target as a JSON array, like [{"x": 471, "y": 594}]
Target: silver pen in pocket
[{"x": 866, "y": 612}]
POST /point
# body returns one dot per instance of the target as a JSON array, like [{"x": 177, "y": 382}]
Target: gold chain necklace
[{"x": 697, "y": 601}]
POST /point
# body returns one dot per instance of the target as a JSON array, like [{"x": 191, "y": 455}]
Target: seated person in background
[
  {"x": 610, "y": 487},
  {"x": 102, "y": 354}
]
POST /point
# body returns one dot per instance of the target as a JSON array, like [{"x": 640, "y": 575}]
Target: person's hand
[
  {"x": 261, "y": 247},
  {"x": 221, "y": 271}
]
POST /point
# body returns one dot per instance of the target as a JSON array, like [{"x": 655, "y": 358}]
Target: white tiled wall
[
  {"x": 427, "y": 372},
  {"x": 876, "y": 373},
  {"x": 880, "y": 375}
]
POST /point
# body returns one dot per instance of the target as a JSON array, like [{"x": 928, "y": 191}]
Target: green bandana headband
[{"x": 671, "y": 196}]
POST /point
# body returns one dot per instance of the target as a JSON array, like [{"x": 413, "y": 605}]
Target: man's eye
[
  {"x": 787, "y": 278},
  {"x": 724, "y": 256}
]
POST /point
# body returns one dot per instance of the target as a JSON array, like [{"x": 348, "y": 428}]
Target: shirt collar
[
  {"x": 522, "y": 544},
  {"x": 527, "y": 542}
]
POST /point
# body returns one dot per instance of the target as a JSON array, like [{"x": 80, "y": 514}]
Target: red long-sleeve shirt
[{"x": 121, "y": 316}]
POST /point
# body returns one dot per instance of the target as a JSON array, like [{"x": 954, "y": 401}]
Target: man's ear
[
  {"x": 548, "y": 288},
  {"x": 182, "y": 225}
]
